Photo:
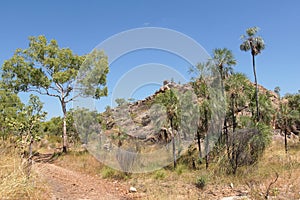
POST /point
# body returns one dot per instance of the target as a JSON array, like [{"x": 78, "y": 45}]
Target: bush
[
  {"x": 159, "y": 175},
  {"x": 108, "y": 172},
  {"x": 201, "y": 182},
  {"x": 180, "y": 169},
  {"x": 247, "y": 145}
]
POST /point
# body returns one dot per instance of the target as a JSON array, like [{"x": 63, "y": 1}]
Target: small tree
[
  {"x": 10, "y": 106},
  {"x": 286, "y": 117},
  {"x": 224, "y": 60},
  {"x": 171, "y": 103},
  {"x": 28, "y": 126},
  {"x": 247, "y": 145},
  {"x": 201, "y": 89},
  {"x": 256, "y": 44},
  {"x": 47, "y": 69},
  {"x": 120, "y": 101}
]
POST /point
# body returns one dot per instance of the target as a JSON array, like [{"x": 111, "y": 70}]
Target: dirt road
[{"x": 65, "y": 184}]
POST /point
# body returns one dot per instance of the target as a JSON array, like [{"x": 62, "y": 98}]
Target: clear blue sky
[{"x": 81, "y": 25}]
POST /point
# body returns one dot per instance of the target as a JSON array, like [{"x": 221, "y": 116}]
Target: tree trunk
[
  {"x": 232, "y": 110},
  {"x": 223, "y": 136},
  {"x": 64, "y": 136},
  {"x": 29, "y": 164},
  {"x": 285, "y": 137},
  {"x": 206, "y": 140},
  {"x": 285, "y": 141},
  {"x": 256, "y": 88},
  {"x": 199, "y": 145},
  {"x": 173, "y": 144},
  {"x": 206, "y": 152}
]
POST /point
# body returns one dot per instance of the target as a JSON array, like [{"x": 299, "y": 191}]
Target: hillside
[{"x": 79, "y": 175}]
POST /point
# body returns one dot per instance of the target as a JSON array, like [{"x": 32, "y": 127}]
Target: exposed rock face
[{"x": 139, "y": 125}]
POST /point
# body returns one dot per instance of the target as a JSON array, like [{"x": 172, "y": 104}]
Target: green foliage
[
  {"x": 239, "y": 91},
  {"x": 224, "y": 60},
  {"x": 87, "y": 124},
  {"x": 170, "y": 101},
  {"x": 49, "y": 70},
  {"x": 256, "y": 44},
  {"x": 252, "y": 42},
  {"x": 266, "y": 109},
  {"x": 120, "y": 101},
  {"x": 28, "y": 123},
  {"x": 180, "y": 169},
  {"x": 53, "y": 126},
  {"x": 91, "y": 78},
  {"x": 10, "y": 106},
  {"x": 159, "y": 175},
  {"x": 201, "y": 182},
  {"x": 108, "y": 172},
  {"x": 247, "y": 145}
]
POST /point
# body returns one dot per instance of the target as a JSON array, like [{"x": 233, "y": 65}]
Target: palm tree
[
  {"x": 170, "y": 101},
  {"x": 288, "y": 115},
  {"x": 201, "y": 90},
  {"x": 237, "y": 88},
  {"x": 224, "y": 60},
  {"x": 256, "y": 44},
  {"x": 286, "y": 118}
]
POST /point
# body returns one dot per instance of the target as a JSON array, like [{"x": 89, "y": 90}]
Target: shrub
[
  {"x": 180, "y": 169},
  {"x": 201, "y": 182},
  {"x": 247, "y": 145},
  {"x": 108, "y": 172},
  {"x": 159, "y": 175}
]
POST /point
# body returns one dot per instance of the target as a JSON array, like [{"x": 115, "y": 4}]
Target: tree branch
[
  {"x": 38, "y": 90},
  {"x": 72, "y": 99},
  {"x": 273, "y": 182}
]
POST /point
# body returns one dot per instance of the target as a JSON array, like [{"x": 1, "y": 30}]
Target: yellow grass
[
  {"x": 180, "y": 183},
  {"x": 14, "y": 182}
]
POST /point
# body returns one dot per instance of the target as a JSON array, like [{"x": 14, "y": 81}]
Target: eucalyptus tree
[
  {"x": 47, "y": 69},
  {"x": 10, "y": 106},
  {"x": 256, "y": 44}
]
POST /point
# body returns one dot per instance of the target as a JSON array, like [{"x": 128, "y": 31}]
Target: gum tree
[
  {"x": 256, "y": 44},
  {"x": 47, "y": 69},
  {"x": 10, "y": 106}
]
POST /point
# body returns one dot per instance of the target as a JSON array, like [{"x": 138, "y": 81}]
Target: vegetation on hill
[{"x": 231, "y": 139}]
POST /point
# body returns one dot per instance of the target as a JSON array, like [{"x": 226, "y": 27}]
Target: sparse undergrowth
[
  {"x": 180, "y": 183},
  {"x": 185, "y": 183},
  {"x": 14, "y": 183}
]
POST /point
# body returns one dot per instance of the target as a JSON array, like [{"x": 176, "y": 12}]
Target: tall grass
[{"x": 14, "y": 182}]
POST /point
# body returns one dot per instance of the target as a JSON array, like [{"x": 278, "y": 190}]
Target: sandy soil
[{"x": 65, "y": 184}]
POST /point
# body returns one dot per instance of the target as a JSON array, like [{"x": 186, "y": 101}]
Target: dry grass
[
  {"x": 180, "y": 183},
  {"x": 14, "y": 182}
]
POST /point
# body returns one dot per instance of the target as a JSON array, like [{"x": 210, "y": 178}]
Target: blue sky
[{"x": 82, "y": 25}]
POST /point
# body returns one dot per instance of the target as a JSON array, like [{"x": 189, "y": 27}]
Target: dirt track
[{"x": 65, "y": 184}]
